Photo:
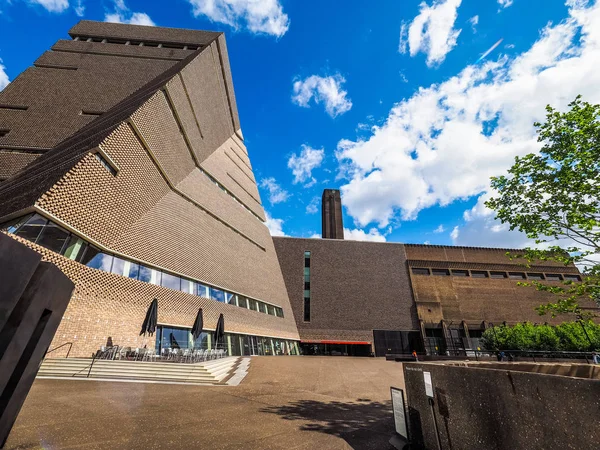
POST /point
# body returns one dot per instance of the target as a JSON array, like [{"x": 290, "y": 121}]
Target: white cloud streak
[
  {"x": 505, "y": 3},
  {"x": 4, "y": 80},
  {"x": 55, "y": 6},
  {"x": 276, "y": 193},
  {"x": 122, "y": 14},
  {"x": 326, "y": 90},
  {"x": 431, "y": 32},
  {"x": 447, "y": 140},
  {"x": 275, "y": 226},
  {"x": 355, "y": 234},
  {"x": 257, "y": 16},
  {"x": 303, "y": 164}
]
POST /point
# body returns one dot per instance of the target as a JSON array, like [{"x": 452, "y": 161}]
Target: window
[
  {"x": 271, "y": 310},
  {"x": 479, "y": 274},
  {"x": 32, "y": 229},
  {"x": 230, "y": 298},
  {"x": 217, "y": 294},
  {"x": 252, "y": 304},
  {"x": 202, "y": 291},
  {"x": 118, "y": 266},
  {"x": 74, "y": 248},
  {"x": 498, "y": 275},
  {"x": 306, "y": 309},
  {"x": 516, "y": 275},
  {"x": 13, "y": 225},
  {"x": 188, "y": 286},
  {"x": 569, "y": 277},
  {"x": 460, "y": 273},
  {"x": 171, "y": 281},
  {"x": 306, "y": 273},
  {"x": 149, "y": 275},
  {"x": 97, "y": 260},
  {"x": 420, "y": 271},
  {"x": 242, "y": 302},
  {"x": 262, "y": 307},
  {"x": 535, "y": 276},
  {"x": 554, "y": 277},
  {"x": 440, "y": 272},
  {"x": 279, "y": 312},
  {"x": 53, "y": 237}
]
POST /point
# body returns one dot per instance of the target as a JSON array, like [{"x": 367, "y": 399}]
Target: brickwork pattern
[
  {"x": 355, "y": 287},
  {"x": 108, "y": 305},
  {"x": 12, "y": 162}
]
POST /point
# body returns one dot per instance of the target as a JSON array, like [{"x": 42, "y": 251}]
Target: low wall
[{"x": 504, "y": 406}]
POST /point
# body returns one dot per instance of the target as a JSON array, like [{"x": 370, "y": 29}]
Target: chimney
[{"x": 331, "y": 212}]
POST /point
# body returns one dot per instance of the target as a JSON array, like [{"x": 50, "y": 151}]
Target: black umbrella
[
  {"x": 198, "y": 325},
  {"x": 219, "y": 330},
  {"x": 149, "y": 325},
  {"x": 174, "y": 343}
]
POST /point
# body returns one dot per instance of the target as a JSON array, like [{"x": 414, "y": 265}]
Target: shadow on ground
[{"x": 363, "y": 424}]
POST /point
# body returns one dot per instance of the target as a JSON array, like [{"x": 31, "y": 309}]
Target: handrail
[{"x": 70, "y": 344}]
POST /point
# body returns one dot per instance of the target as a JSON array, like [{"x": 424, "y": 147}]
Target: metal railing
[
  {"x": 523, "y": 355},
  {"x": 70, "y": 344}
]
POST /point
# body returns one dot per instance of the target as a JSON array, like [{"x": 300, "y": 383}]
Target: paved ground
[{"x": 285, "y": 402}]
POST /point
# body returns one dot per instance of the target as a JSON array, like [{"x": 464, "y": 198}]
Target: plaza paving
[{"x": 284, "y": 402}]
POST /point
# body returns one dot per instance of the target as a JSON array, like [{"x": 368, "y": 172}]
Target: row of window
[
  {"x": 38, "y": 229},
  {"x": 307, "y": 286},
  {"x": 130, "y": 42},
  {"x": 496, "y": 274}
]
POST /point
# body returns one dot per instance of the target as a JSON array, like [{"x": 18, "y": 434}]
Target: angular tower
[
  {"x": 331, "y": 215},
  {"x": 124, "y": 164}
]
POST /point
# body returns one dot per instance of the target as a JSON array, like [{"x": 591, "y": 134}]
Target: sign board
[
  {"x": 399, "y": 410},
  {"x": 428, "y": 384}
]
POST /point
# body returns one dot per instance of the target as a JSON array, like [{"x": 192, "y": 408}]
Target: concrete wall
[{"x": 477, "y": 407}]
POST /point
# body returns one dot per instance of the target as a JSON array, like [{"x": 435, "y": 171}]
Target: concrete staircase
[{"x": 204, "y": 373}]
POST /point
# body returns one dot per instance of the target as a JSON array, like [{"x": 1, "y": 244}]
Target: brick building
[
  {"x": 122, "y": 161},
  {"x": 127, "y": 168}
]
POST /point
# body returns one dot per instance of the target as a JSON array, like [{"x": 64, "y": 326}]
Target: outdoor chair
[
  {"x": 185, "y": 355},
  {"x": 164, "y": 353},
  {"x": 149, "y": 355},
  {"x": 124, "y": 352}
]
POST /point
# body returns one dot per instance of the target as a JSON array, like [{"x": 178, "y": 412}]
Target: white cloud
[
  {"x": 79, "y": 8},
  {"x": 474, "y": 21},
  {"x": 276, "y": 193},
  {"x": 122, "y": 14},
  {"x": 313, "y": 206},
  {"x": 359, "y": 235},
  {"x": 439, "y": 229},
  {"x": 3, "y": 76},
  {"x": 454, "y": 234},
  {"x": 327, "y": 90},
  {"x": 275, "y": 226},
  {"x": 56, "y": 6},
  {"x": 505, "y": 3},
  {"x": 443, "y": 143},
  {"x": 257, "y": 16},
  {"x": 432, "y": 32},
  {"x": 302, "y": 165}
]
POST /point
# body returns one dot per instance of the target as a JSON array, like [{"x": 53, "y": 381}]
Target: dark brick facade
[{"x": 355, "y": 287}]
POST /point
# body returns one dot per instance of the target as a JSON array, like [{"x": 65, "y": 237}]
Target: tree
[{"x": 554, "y": 198}]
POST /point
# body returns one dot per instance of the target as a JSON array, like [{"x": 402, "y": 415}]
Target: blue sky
[{"x": 384, "y": 100}]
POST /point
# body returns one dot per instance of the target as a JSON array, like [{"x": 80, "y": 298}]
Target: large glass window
[
  {"x": 306, "y": 309},
  {"x": 13, "y": 225},
  {"x": 230, "y": 298},
  {"x": 53, "y": 237},
  {"x": 171, "y": 281},
  {"x": 32, "y": 228},
  {"x": 202, "y": 291},
  {"x": 188, "y": 286},
  {"x": 97, "y": 260},
  {"x": 252, "y": 304},
  {"x": 75, "y": 248},
  {"x": 217, "y": 294}
]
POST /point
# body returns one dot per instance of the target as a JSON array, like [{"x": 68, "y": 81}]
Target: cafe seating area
[{"x": 175, "y": 355}]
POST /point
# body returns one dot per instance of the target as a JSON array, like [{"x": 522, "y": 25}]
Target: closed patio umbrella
[
  {"x": 219, "y": 330},
  {"x": 149, "y": 325},
  {"x": 198, "y": 325}
]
